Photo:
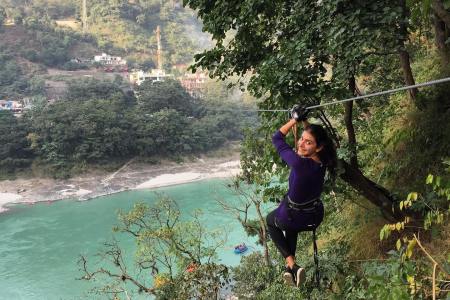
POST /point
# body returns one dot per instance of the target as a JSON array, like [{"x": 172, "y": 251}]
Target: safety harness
[{"x": 308, "y": 207}]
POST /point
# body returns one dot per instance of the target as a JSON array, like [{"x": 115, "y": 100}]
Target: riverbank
[{"x": 133, "y": 175}]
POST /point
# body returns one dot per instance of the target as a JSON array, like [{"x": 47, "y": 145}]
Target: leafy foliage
[
  {"x": 13, "y": 81},
  {"x": 302, "y": 53},
  {"x": 98, "y": 121},
  {"x": 118, "y": 27},
  {"x": 2, "y": 16},
  {"x": 14, "y": 147},
  {"x": 434, "y": 207},
  {"x": 81, "y": 131},
  {"x": 255, "y": 281},
  {"x": 130, "y": 26},
  {"x": 92, "y": 89},
  {"x": 168, "y": 94},
  {"x": 386, "y": 280},
  {"x": 178, "y": 254}
]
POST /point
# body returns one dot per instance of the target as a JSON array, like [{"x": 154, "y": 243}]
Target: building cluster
[
  {"x": 106, "y": 59},
  {"x": 103, "y": 59},
  {"x": 137, "y": 77},
  {"x": 193, "y": 83},
  {"x": 14, "y": 106}
]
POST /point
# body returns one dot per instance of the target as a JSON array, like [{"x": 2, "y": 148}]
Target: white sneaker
[
  {"x": 299, "y": 275},
  {"x": 288, "y": 277}
]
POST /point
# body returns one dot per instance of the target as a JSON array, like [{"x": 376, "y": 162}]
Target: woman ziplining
[{"x": 301, "y": 208}]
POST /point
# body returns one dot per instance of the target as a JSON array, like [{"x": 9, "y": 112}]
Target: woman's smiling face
[{"x": 307, "y": 145}]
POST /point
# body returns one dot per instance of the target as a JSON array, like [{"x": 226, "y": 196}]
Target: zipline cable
[{"x": 408, "y": 87}]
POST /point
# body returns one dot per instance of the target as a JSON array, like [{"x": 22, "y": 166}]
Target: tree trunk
[
  {"x": 407, "y": 73},
  {"x": 403, "y": 53},
  {"x": 262, "y": 225},
  {"x": 441, "y": 37},
  {"x": 348, "y": 117},
  {"x": 375, "y": 193},
  {"x": 441, "y": 12}
]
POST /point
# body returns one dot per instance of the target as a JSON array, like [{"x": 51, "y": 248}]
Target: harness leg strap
[{"x": 316, "y": 258}]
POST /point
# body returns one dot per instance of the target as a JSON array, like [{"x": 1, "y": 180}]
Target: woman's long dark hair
[{"x": 328, "y": 153}]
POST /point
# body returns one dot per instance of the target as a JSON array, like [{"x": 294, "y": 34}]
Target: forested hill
[
  {"x": 122, "y": 28},
  {"x": 77, "y": 112},
  {"x": 40, "y": 35}
]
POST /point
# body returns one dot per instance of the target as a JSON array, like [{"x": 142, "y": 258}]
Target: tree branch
[
  {"x": 348, "y": 118},
  {"x": 330, "y": 127},
  {"x": 435, "y": 265},
  {"x": 123, "y": 276},
  {"x": 441, "y": 12}
]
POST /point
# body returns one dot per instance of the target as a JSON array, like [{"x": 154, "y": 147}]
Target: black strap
[
  {"x": 316, "y": 258},
  {"x": 307, "y": 207},
  {"x": 304, "y": 205}
]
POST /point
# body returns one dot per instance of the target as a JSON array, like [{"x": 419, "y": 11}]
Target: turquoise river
[{"x": 40, "y": 244}]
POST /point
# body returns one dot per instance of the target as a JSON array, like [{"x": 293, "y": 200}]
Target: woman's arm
[
  {"x": 286, "y": 127},
  {"x": 284, "y": 150},
  {"x": 305, "y": 123}
]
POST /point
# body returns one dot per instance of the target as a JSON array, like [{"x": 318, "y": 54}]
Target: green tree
[
  {"x": 176, "y": 37},
  {"x": 12, "y": 79},
  {"x": 87, "y": 89},
  {"x": 288, "y": 48},
  {"x": 167, "y": 246},
  {"x": 97, "y": 122},
  {"x": 15, "y": 152},
  {"x": 436, "y": 12},
  {"x": 79, "y": 132},
  {"x": 161, "y": 132},
  {"x": 168, "y": 94},
  {"x": 2, "y": 16}
]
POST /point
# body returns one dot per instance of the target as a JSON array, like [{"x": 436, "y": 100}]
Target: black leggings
[{"x": 286, "y": 244}]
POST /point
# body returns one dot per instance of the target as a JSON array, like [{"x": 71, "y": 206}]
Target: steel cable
[{"x": 428, "y": 83}]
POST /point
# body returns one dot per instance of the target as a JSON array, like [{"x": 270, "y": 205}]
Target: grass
[
  {"x": 438, "y": 245},
  {"x": 359, "y": 227}
]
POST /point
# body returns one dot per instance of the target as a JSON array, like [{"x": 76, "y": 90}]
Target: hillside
[
  {"x": 37, "y": 45},
  {"x": 126, "y": 28},
  {"x": 43, "y": 49}
]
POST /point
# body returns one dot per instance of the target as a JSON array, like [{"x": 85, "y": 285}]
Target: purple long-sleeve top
[{"x": 306, "y": 177}]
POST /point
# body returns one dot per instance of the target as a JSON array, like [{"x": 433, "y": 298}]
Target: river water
[{"x": 40, "y": 244}]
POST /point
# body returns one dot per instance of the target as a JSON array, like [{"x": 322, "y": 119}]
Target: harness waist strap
[{"x": 305, "y": 205}]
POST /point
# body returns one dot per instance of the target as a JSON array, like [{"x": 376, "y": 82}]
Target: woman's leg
[
  {"x": 286, "y": 244},
  {"x": 291, "y": 237},
  {"x": 277, "y": 236}
]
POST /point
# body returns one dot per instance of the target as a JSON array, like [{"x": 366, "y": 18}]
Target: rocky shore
[{"x": 133, "y": 175}]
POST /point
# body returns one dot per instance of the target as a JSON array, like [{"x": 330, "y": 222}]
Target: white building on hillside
[
  {"x": 107, "y": 59},
  {"x": 138, "y": 77}
]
